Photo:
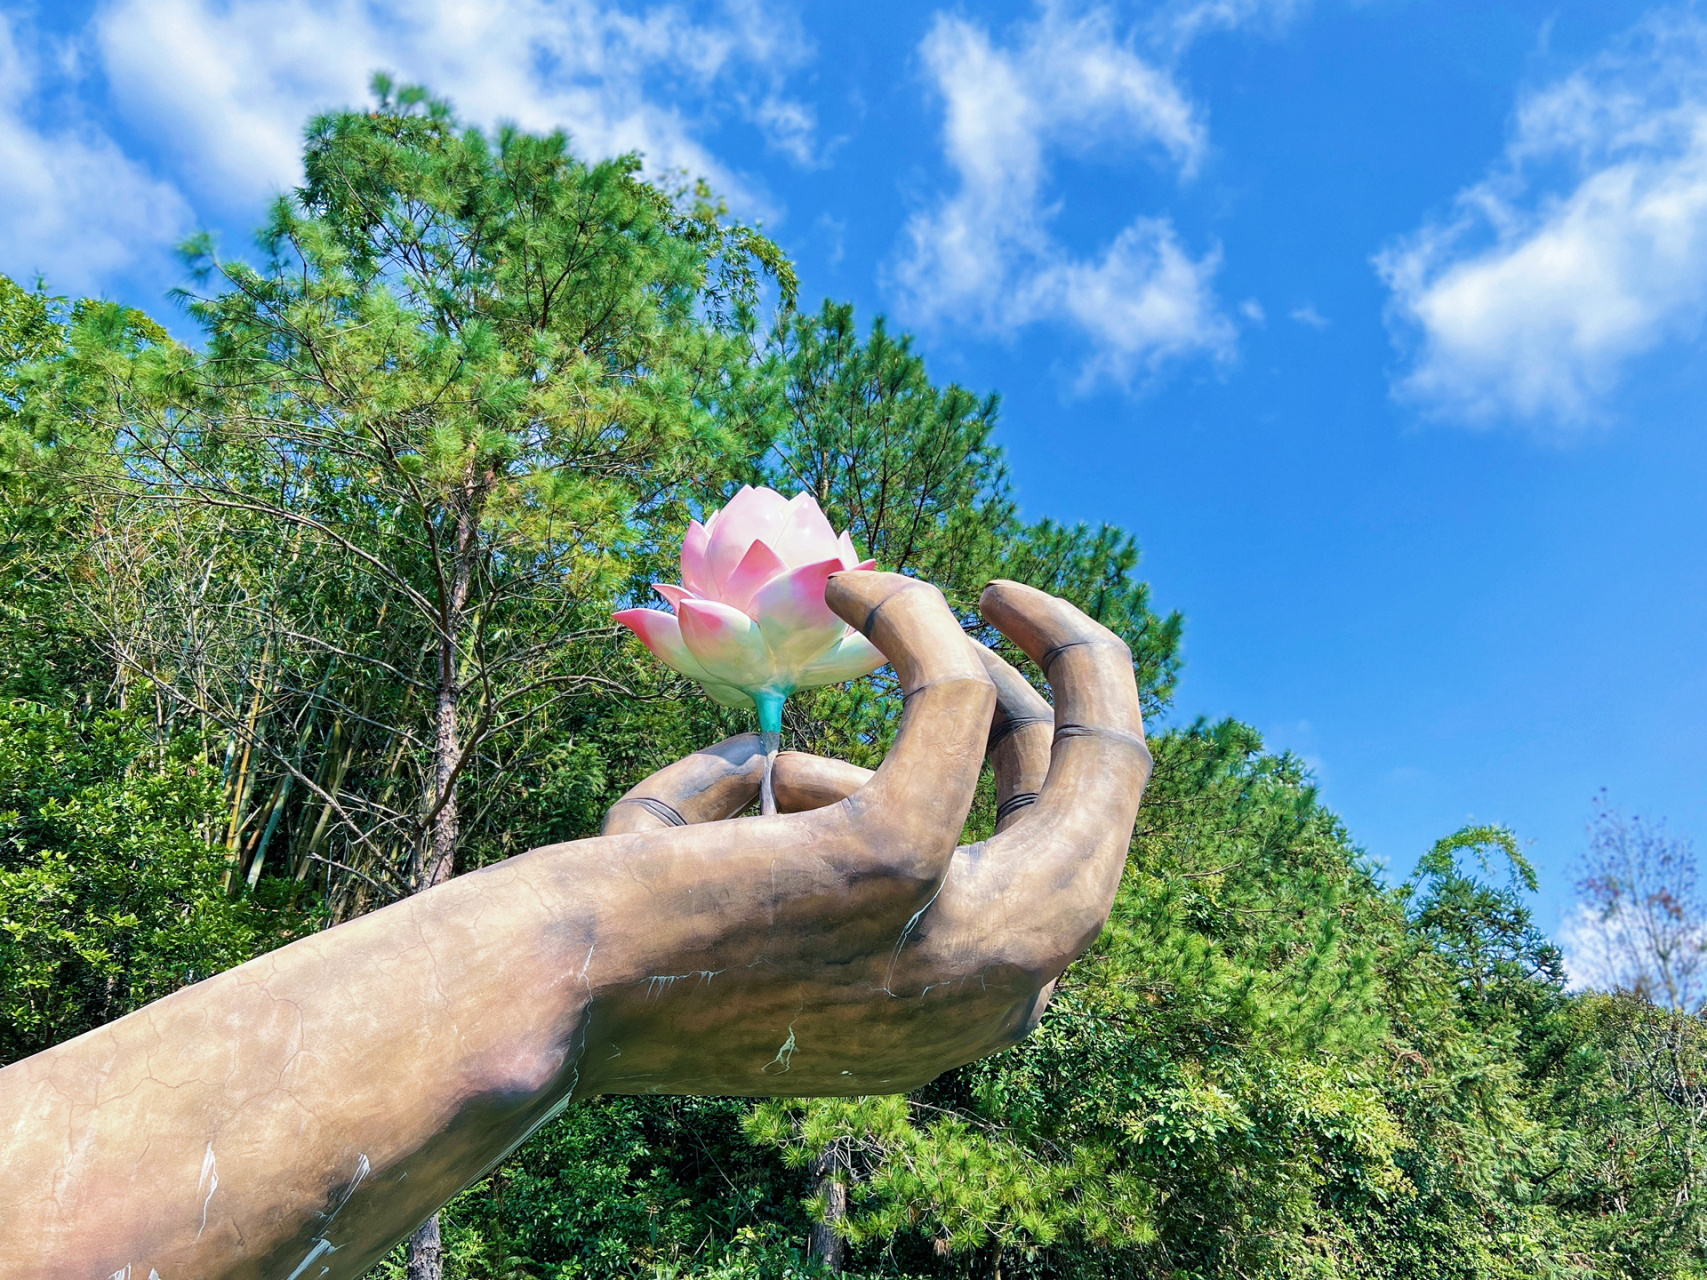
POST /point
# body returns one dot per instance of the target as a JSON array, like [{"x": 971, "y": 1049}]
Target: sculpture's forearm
[{"x": 305, "y": 1108}]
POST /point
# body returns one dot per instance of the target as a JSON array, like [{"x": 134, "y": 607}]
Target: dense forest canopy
[{"x": 316, "y": 612}]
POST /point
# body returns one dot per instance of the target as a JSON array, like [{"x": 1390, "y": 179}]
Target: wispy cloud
[
  {"x": 222, "y": 89},
  {"x": 1585, "y": 248},
  {"x": 230, "y": 82},
  {"x": 987, "y": 253},
  {"x": 1592, "y": 943},
  {"x": 73, "y": 206},
  {"x": 1180, "y": 22}
]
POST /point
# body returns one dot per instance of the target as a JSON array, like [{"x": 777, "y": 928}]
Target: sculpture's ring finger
[{"x": 1022, "y": 732}]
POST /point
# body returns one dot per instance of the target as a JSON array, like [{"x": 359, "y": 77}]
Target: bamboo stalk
[
  {"x": 245, "y": 780},
  {"x": 332, "y": 759}
]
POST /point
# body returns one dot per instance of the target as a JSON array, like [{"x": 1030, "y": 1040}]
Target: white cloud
[
  {"x": 222, "y": 89},
  {"x": 1626, "y": 948},
  {"x": 73, "y": 206},
  {"x": 1183, "y": 21},
  {"x": 987, "y": 254},
  {"x": 1308, "y": 315},
  {"x": 1584, "y": 249},
  {"x": 229, "y": 84},
  {"x": 1593, "y": 950},
  {"x": 1145, "y": 301}
]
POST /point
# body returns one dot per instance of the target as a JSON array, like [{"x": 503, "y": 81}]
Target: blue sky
[{"x": 1379, "y": 323}]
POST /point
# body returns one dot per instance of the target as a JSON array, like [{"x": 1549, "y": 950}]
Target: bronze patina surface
[{"x": 296, "y": 1116}]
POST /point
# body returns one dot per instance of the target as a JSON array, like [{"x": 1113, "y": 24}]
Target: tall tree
[{"x": 1642, "y": 919}]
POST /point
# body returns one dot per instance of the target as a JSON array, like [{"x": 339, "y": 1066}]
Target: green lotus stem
[
  {"x": 772, "y": 743},
  {"x": 770, "y": 737}
]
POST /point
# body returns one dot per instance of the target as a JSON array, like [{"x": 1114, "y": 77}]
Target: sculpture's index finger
[
  {"x": 916, "y": 804},
  {"x": 910, "y": 622}
]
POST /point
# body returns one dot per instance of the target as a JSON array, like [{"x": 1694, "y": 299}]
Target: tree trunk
[
  {"x": 440, "y": 860},
  {"x": 425, "y": 1255},
  {"x": 426, "y": 1252},
  {"x": 825, "y": 1244}
]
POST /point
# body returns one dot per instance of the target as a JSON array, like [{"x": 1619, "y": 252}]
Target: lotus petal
[
  {"x": 752, "y": 514},
  {"x": 806, "y": 535},
  {"x": 694, "y": 575},
  {"x": 757, "y": 567},
  {"x": 790, "y": 610},
  {"x": 729, "y": 696},
  {"x": 662, "y": 633},
  {"x": 726, "y": 643},
  {"x": 850, "y": 557},
  {"x": 674, "y": 594},
  {"x": 852, "y": 657}
]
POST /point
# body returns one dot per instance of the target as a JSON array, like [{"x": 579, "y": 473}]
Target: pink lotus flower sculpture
[{"x": 750, "y": 623}]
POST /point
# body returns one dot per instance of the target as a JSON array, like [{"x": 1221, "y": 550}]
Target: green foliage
[
  {"x": 1502, "y": 965},
  {"x": 109, "y": 893},
  {"x": 1624, "y": 1086},
  {"x": 31, "y": 331},
  {"x": 965, "y": 1179},
  {"x": 46, "y": 449},
  {"x": 366, "y": 543},
  {"x": 653, "y": 1188}
]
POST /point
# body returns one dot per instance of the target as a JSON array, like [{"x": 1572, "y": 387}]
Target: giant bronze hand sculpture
[{"x": 296, "y": 1116}]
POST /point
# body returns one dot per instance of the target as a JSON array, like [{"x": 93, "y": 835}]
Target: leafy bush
[{"x": 110, "y": 893}]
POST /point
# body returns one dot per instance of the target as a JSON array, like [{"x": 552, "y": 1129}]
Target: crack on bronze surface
[
  {"x": 210, "y": 1170},
  {"x": 784, "y": 1055}
]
